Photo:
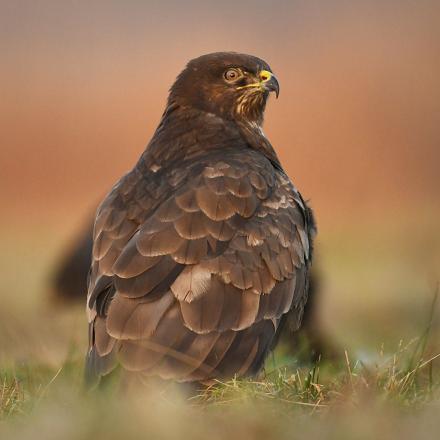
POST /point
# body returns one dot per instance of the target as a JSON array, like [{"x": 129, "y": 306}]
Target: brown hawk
[{"x": 202, "y": 249}]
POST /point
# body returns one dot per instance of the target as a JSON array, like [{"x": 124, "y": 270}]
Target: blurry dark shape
[
  {"x": 310, "y": 342},
  {"x": 69, "y": 280}
]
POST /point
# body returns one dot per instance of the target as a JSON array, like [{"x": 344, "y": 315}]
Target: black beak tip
[{"x": 273, "y": 86}]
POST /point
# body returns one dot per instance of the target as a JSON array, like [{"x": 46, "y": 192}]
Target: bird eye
[{"x": 232, "y": 74}]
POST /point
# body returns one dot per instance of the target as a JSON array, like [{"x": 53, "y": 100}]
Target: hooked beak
[
  {"x": 272, "y": 85},
  {"x": 268, "y": 82}
]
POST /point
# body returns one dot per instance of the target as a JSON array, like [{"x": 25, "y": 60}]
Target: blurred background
[{"x": 357, "y": 127}]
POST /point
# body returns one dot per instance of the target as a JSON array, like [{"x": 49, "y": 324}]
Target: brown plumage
[
  {"x": 310, "y": 342},
  {"x": 203, "y": 248}
]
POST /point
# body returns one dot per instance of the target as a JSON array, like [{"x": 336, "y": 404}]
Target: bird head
[{"x": 227, "y": 84}]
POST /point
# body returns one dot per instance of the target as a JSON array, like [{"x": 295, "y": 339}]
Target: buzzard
[{"x": 204, "y": 247}]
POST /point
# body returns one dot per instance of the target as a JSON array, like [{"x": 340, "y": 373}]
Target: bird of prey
[{"x": 204, "y": 247}]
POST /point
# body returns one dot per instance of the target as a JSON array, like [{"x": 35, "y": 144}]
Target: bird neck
[
  {"x": 185, "y": 133},
  {"x": 256, "y": 139}
]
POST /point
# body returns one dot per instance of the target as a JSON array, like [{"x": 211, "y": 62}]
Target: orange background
[{"x": 357, "y": 124}]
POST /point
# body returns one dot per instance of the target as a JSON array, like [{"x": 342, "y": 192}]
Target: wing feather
[{"x": 193, "y": 274}]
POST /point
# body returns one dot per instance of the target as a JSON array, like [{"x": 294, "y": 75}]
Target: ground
[{"x": 378, "y": 308}]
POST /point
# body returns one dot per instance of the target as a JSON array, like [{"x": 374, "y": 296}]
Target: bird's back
[{"x": 194, "y": 268}]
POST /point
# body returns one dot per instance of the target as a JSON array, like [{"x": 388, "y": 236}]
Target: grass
[
  {"x": 316, "y": 391},
  {"x": 316, "y": 397}
]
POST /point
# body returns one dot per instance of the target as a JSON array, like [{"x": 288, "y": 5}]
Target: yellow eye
[{"x": 232, "y": 75}]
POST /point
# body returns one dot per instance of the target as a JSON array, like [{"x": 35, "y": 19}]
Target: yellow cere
[{"x": 264, "y": 75}]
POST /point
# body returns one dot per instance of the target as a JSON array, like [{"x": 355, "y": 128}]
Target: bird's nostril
[{"x": 265, "y": 75}]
